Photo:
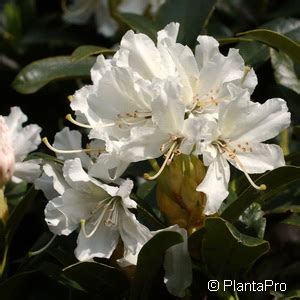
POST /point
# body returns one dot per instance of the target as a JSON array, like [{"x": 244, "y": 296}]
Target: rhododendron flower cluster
[{"x": 153, "y": 101}]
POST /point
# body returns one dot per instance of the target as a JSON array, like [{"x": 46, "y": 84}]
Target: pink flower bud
[{"x": 7, "y": 156}]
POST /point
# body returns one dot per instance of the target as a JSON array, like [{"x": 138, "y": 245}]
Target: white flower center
[
  {"x": 108, "y": 215},
  {"x": 223, "y": 147}
]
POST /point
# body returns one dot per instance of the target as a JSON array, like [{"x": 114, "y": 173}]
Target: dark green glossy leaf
[
  {"x": 256, "y": 53},
  {"x": 89, "y": 50},
  {"x": 3, "y": 248},
  {"x": 18, "y": 213},
  {"x": 97, "y": 278},
  {"x": 275, "y": 40},
  {"x": 226, "y": 251},
  {"x": 139, "y": 24},
  {"x": 193, "y": 16},
  {"x": 39, "y": 73},
  {"x": 254, "y": 221},
  {"x": 17, "y": 286},
  {"x": 150, "y": 260},
  {"x": 276, "y": 181},
  {"x": 296, "y": 132}
]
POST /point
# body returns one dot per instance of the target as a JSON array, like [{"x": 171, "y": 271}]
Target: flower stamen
[
  {"x": 232, "y": 154},
  {"x": 169, "y": 156},
  {"x": 48, "y": 145},
  {"x": 72, "y": 120}
]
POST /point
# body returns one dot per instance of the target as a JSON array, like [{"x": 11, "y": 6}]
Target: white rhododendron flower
[
  {"x": 100, "y": 211},
  {"x": 16, "y": 142},
  {"x": 237, "y": 138},
  {"x": 80, "y": 11}
]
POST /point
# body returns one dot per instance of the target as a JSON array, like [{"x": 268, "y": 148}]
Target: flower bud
[
  {"x": 7, "y": 156},
  {"x": 176, "y": 192}
]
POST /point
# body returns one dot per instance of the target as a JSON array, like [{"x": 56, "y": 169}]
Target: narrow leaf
[
  {"x": 276, "y": 181},
  {"x": 274, "y": 40},
  {"x": 89, "y": 50},
  {"x": 39, "y": 73}
]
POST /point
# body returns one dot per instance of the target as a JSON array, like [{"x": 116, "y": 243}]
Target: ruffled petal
[
  {"x": 257, "y": 157},
  {"x": 101, "y": 244},
  {"x": 215, "y": 184},
  {"x": 245, "y": 121},
  {"x": 67, "y": 139},
  {"x": 28, "y": 170}
]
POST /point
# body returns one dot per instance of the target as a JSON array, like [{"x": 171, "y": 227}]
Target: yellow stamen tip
[
  {"x": 262, "y": 187},
  {"x": 69, "y": 117},
  {"x": 147, "y": 176},
  {"x": 70, "y": 98}
]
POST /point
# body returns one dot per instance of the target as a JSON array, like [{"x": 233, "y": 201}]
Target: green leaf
[
  {"x": 294, "y": 219},
  {"x": 276, "y": 181},
  {"x": 139, "y": 24},
  {"x": 89, "y": 50},
  {"x": 193, "y": 16},
  {"x": 3, "y": 248},
  {"x": 284, "y": 71},
  {"x": 296, "y": 132},
  {"x": 294, "y": 294},
  {"x": 98, "y": 278},
  {"x": 150, "y": 260},
  {"x": 275, "y": 40},
  {"x": 39, "y": 73},
  {"x": 12, "y": 20},
  {"x": 254, "y": 221},
  {"x": 256, "y": 53},
  {"x": 16, "y": 287},
  {"x": 227, "y": 252},
  {"x": 18, "y": 213}
]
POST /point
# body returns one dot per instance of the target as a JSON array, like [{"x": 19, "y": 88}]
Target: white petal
[
  {"x": 45, "y": 183},
  {"x": 15, "y": 120},
  {"x": 168, "y": 34},
  {"x": 64, "y": 213},
  {"x": 141, "y": 48},
  {"x": 167, "y": 109},
  {"x": 206, "y": 50},
  {"x": 263, "y": 157},
  {"x": 79, "y": 180},
  {"x": 215, "y": 184},
  {"x": 246, "y": 121},
  {"x": 133, "y": 233},
  {"x": 178, "y": 265},
  {"x": 54, "y": 171},
  {"x": 101, "y": 244},
  {"x": 27, "y": 170},
  {"x": 56, "y": 219},
  {"x": 67, "y": 139},
  {"x": 144, "y": 143}
]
